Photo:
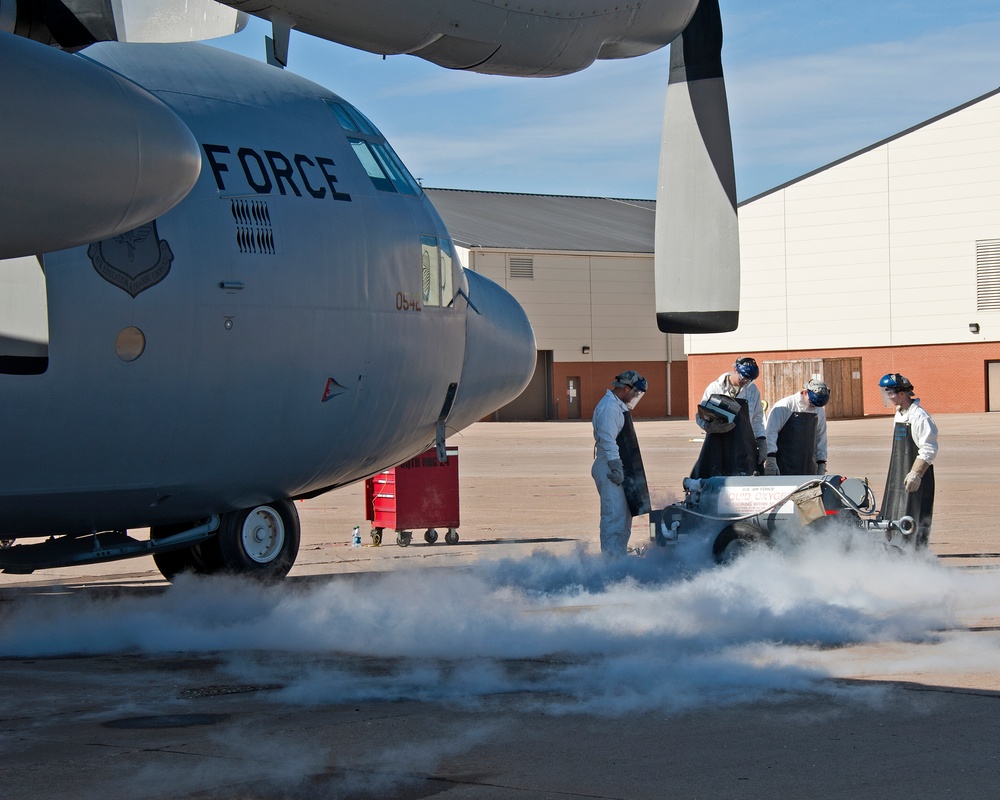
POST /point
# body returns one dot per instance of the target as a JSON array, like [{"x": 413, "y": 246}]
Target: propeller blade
[{"x": 697, "y": 253}]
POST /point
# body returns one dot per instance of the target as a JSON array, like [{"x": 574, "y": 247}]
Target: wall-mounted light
[
  {"x": 973, "y": 327},
  {"x": 585, "y": 349}
]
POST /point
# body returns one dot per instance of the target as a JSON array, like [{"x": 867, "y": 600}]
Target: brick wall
[
  {"x": 596, "y": 379},
  {"x": 948, "y": 379}
]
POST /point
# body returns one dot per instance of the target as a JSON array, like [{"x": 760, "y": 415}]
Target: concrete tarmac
[{"x": 116, "y": 684}]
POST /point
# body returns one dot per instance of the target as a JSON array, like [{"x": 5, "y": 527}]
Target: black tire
[
  {"x": 734, "y": 540},
  {"x": 451, "y": 537},
  {"x": 430, "y": 536},
  {"x": 260, "y": 542},
  {"x": 174, "y": 562},
  {"x": 403, "y": 538}
]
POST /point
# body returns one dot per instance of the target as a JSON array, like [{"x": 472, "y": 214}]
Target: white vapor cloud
[{"x": 580, "y": 633}]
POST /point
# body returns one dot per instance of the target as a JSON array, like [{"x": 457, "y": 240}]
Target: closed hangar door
[
  {"x": 993, "y": 385},
  {"x": 533, "y": 404},
  {"x": 842, "y": 375}
]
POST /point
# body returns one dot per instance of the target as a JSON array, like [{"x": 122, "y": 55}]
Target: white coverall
[
  {"x": 782, "y": 411},
  {"x": 616, "y": 519},
  {"x": 750, "y": 393},
  {"x": 922, "y": 429}
]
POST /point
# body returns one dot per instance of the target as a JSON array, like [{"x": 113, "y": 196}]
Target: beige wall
[
  {"x": 877, "y": 251},
  {"x": 603, "y": 301}
]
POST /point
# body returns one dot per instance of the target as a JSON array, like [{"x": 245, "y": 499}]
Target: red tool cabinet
[{"x": 420, "y": 493}]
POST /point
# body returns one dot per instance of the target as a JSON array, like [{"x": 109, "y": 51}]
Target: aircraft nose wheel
[{"x": 261, "y": 541}]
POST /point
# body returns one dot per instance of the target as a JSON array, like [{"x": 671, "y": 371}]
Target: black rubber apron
[
  {"x": 635, "y": 486},
  {"x": 797, "y": 445},
  {"x": 733, "y": 453},
  {"x": 897, "y": 502}
]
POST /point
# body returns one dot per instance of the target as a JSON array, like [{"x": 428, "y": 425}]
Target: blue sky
[{"x": 808, "y": 83}]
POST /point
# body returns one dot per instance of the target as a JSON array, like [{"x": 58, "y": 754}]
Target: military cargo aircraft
[{"x": 221, "y": 289}]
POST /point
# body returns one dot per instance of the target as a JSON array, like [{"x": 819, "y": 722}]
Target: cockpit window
[
  {"x": 437, "y": 263},
  {"x": 384, "y": 167},
  {"x": 352, "y": 120},
  {"x": 380, "y": 162},
  {"x": 372, "y": 166}
]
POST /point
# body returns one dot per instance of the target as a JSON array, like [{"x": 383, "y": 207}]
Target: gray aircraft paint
[
  {"x": 232, "y": 305},
  {"x": 225, "y": 406}
]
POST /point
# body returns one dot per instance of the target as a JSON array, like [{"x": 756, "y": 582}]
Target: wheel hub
[{"x": 263, "y": 534}]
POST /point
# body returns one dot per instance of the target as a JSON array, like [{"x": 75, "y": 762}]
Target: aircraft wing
[{"x": 553, "y": 37}]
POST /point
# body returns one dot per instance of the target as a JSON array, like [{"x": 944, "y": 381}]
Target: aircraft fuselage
[{"x": 294, "y": 324}]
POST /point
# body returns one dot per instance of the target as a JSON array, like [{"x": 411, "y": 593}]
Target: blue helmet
[
  {"x": 818, "y": 392},
  {"x": 747, "y": 368},
  {"x": 895, "y": 382}
]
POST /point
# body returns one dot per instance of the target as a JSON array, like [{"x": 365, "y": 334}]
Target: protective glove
[
  {"x": 821, "y": 467},
  {"x": 771, "y": 466},
  {"x": 617, "y": 473},
  {"x": 719, "y": 427},
  {"x": 761, "y": 448},
  {"x": 914, "y": 477}
]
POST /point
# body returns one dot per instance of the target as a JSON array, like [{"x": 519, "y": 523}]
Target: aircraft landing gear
[
  {"x": 201, "y": 558},
  {"x": 259, "y": 542}
]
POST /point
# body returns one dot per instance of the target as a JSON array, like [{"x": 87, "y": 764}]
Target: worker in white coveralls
[
  {"x": 617, "y": 470},
  {"x": 796, "y": 432},
  {"x": 909, "y": 486},
  {"x": 737, "y": 447}
]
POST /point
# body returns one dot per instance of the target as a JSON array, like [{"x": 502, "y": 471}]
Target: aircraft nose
[{"x": 499, "y": 352}]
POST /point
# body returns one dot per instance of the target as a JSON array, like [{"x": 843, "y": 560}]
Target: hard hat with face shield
[
  {"x": 630, "y": 379},
  {"x": 893, "y": 383},
  {"x": 818, "y": 393},
  {"x": 746, "y": 368}
]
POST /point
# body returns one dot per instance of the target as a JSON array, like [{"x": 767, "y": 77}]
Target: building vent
[
  {"x": 522, "y": 267},
  {"x": 988, "y": 275}
]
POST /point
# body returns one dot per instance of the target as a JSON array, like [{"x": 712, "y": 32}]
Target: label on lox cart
[{"x": 740, "y": 500}]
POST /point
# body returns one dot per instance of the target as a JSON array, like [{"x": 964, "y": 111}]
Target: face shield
[
  {"x": 892, "y": 385},
  {"x": 635, "y": 383}
]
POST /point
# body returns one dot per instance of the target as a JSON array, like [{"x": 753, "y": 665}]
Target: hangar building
[
  {"x": 582, "y": 268},
  {"x": 887, "y": 260}
]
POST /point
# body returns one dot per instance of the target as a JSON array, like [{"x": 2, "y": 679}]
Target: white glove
[
  {"x": 821, "y": 467},
  {"x": 719, "y": 427},
  {"x": 771, "y": 466},
  {"x": 617, "y": 473},
  {"x": 912, "y": 480}
]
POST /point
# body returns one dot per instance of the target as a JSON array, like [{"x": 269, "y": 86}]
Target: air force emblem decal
[{"x": 133, "y": 261}]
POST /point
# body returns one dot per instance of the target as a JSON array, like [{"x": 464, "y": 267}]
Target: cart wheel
[
  {"x": 451, "y": 537},
  {"x": 403, "y": 538},
  {"x": 734, "y": 540},
  {"x": 376, "y": 537},
  {"x": 430, "y": 536}
]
